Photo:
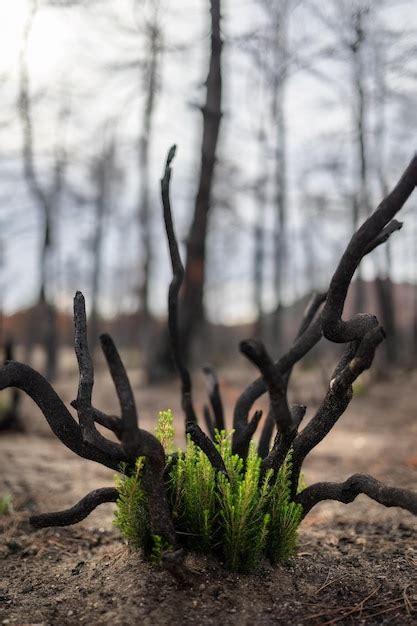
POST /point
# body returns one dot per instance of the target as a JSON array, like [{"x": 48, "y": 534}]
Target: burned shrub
[{"x": 220, "y": 495}]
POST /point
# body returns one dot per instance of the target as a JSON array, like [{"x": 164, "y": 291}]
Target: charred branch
[
  {"x": 255, "y": 351},
  {"x": 61, "y": 422},
  {"x": 85, "y": 366},
  {"x": 209, "y": 421},
  {"x": 78, "y": 512},
  {"x": 111, "y": 422},
  {"x": 266, "y": 436},
  {"x": 215, "y": 397},
  {"x": 129, "y": 417},
  {"x": 309, "y": 314},
  {"x": 355, "y": 485},
  {"x": 82, "y": 404},
  {"x": 357, "y": 359},
  {"x": 256, "y": 389},
  {"x": 153, "y": 481},
  {"x": 174, "y": 288},
  {"x": 284, "y": 440},
  {"x": 375, "y": 231},
  {"x": 206, "y": 445},
  {"x": 372, "y": 232},
  {"x": 242, "y": 438}
]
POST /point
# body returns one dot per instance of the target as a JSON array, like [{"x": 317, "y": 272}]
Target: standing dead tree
[
  {"x": 46, "y": 197},
  {"x": 104, "y": 174},
  {"x": 362, "y": 334},
  {"x": 194, "y": 278}
]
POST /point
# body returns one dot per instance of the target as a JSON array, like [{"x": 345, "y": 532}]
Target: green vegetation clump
[
  {"x": 238, "y": 518},
  {"x": 6, "y": 506},
  {"x": 131, "y": 516}
]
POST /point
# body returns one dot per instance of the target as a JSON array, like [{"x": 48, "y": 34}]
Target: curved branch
[
  {"x": 256, "y": 352},
  {"x": 174, "y": 288},
  {"x": 207, "y": 446},
  {"x": 60, "y": 420},
  {"x": 82, "y": 404},
  {"x": 372, "y": 232},
  {"x": 313, "y": 305},
  {"x": 242, "y": 438},
  {"x": 377, "y": 228},
  {"x": 78, "y": 512},
  {"x": 129, "y": 416},
  {"x": 357, "y": 359},
  {"x": 284, "y": 441},
  {"x": 355, "y": 485},
  {"x": 256, "y": 389},
  {"x": 111, "y": 422}
]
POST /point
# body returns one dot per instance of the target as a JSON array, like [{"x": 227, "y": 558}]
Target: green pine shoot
[
  {"x": 239, "y": 518},
  {"x": 131, "y": 516}
]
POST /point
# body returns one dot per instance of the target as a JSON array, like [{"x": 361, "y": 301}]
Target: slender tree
[
  {"x": 280, "y": 16},
  {"x": 103, "y": 173},
  {"x": 274, "y": 59},
  {"x": 193, "y": 291},
  {"x": 260, "y": 189},
  {"x": 149, "y": 84},
  {"x": 46, "y": 197}
]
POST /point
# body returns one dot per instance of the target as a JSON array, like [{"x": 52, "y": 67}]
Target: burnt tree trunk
[{"x": 193, "y": 291}]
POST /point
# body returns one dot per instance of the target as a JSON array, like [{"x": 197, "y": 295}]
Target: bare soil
[{"x": 356, "y": 564}]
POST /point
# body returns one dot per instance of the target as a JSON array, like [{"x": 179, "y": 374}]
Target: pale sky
[{"x": 68, "y": 51}]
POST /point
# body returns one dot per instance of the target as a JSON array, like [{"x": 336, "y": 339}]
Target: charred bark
[{"x": 192, "y": 299}]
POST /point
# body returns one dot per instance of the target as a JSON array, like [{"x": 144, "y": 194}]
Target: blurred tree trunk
[
  {"x": 192, "y": 309},
  {"x": 361, "y": 203},
  {"x": 281, "y": 198},
  {"x": 258, "y": 233},
  {"x": 103, "y": 174},
  {"x": 46, "y": 199},
  {"x": 150, "y": 85},
  {"x": 280, "y": 221},
  {"x": 385, "y": 288}
]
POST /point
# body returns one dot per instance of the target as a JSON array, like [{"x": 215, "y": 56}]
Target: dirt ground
[{"x": 356, "y": 564}]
